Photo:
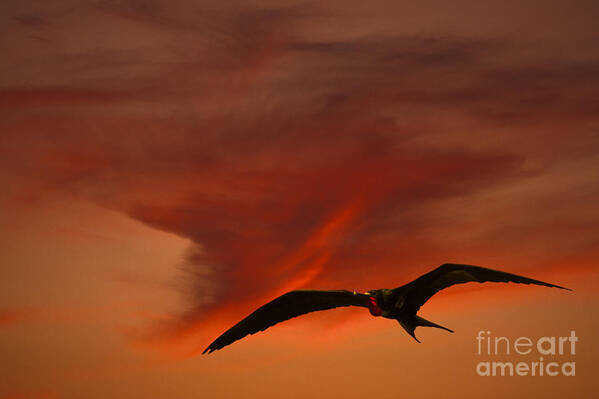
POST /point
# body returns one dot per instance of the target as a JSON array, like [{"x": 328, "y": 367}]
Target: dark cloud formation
[{"x": 287, "y": 157}]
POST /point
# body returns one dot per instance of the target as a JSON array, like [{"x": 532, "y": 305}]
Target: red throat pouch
[{"x": 374, "y": 308}]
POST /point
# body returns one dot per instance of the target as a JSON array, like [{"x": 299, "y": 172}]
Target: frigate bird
[{"x": 401, "y": 303}]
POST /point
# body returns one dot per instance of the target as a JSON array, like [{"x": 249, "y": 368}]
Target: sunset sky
[{"x": 168, "y": 166}]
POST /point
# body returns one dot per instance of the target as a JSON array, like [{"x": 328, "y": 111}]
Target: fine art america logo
[{"x": 548, "y": 349}]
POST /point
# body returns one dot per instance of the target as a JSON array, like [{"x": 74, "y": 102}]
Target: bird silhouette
[{"x": 401, "y": 303}]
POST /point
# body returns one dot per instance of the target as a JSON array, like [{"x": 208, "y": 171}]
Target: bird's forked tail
[{"x": 418, "y": 321}]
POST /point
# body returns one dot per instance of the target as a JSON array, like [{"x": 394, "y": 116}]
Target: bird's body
[{"x": 401, "y": 303}]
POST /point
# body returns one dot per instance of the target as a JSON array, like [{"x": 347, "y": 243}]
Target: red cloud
[{"x": 13, "y": 316}]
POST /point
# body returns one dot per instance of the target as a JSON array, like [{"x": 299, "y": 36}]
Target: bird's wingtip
[{"x": 563, "y": 288}]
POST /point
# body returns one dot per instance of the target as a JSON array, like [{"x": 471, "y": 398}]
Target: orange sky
[{"x": 169, "y": 166}]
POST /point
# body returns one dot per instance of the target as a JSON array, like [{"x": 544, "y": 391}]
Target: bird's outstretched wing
[
  {"x": 424, "y": 287},
  {"x": 285, "y": 307}
]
